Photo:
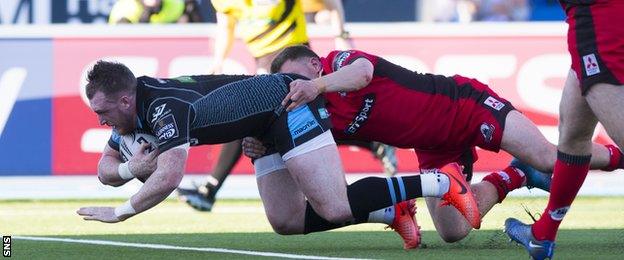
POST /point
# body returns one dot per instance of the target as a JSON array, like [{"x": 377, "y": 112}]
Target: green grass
[{"x": 594, "y": 228}]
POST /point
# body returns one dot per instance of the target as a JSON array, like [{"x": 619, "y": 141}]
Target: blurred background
[{"x": 518, "y": 47}]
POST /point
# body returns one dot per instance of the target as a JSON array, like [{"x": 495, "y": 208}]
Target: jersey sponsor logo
[
  {"x": 340, "y": 59},
  {"x": 323, "y": 113},
  {"x": 160, "y": 112},
  {"x": 362, "y": 116},
  {"x": 166, "y": 129},
  {"x": 591, "y": 64},
  {"x": 301, "y": 121},
  {"x": 558, "y": 214},
  {"x": 487, "y": 130},
  {"x": 494, "y": 103}
]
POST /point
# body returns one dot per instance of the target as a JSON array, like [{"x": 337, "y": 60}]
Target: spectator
[{"x": 155, "y": 11}]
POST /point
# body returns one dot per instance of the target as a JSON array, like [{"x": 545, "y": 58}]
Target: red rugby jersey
[{"x": 398, "y": 107}]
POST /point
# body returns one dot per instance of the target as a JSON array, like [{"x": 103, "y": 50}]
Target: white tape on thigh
[
  {"x": 268, "y": 164},
  {"x": 321, "y": 140}
]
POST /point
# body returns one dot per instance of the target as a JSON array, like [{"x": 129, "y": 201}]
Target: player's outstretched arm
[{"x": 163, "y": 181}]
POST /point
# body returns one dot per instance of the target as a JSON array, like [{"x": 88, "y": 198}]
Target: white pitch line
[{"x": 182, "y": 248}]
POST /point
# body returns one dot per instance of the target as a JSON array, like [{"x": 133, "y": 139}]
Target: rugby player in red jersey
[
  {"x": 442, "y": 118},
  {"x": 593, "y": 93}
]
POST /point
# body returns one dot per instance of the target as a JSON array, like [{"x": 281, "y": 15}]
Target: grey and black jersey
[{"x": 216, "y": 109}]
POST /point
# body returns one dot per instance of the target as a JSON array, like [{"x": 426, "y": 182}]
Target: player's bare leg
[
  {"x": 523, "y": 140},
  {"x": 577, "y": 123},
  {"x": 319, "y": 175},
  {"x": 283, "y": 201},
  {"x": 449, "y": 223},
  {"x": 289, "y": 213}
]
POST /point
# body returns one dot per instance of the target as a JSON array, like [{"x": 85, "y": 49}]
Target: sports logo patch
[
  {"x": 166, "y": 129},
  {"x": 340, "y": 59},
  {"x": 558, "y": 214},
  {"x": 494, "y": 103},
  {"x": 591, "y": 64},
  {"x": 159, "y": 111},
  {"x": 487, "y": 130}
]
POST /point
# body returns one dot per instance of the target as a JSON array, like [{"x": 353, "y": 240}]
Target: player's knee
[
  {"x": 282, "y": 226},
  {"x": 454, "y": 235}
]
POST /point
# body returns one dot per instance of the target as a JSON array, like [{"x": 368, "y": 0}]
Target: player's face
[
  {"x": 308, "y": 67},
  {"x": 114, "y": 111}
]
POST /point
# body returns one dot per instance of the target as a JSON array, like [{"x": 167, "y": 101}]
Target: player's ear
[
  {"x": 125, "y": 100},
  {"x": 317, "y": 64}
]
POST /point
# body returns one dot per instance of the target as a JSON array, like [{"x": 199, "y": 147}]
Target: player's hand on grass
[
  {"x": 253, "y": 148},
  {"x": 102, "y": 214},
  {"x": 301, "y": 92},
  {"x": 143, "y": 164}
]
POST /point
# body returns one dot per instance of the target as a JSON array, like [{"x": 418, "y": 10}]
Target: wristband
[
  {"x": 125, "y": 209},
  {"x": 124, "y": 171}
]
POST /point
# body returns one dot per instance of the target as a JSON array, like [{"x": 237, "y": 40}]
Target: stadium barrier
[{"x": 46, "y": 127}]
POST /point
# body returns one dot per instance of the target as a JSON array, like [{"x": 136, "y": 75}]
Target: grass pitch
[{"x": 594, "y": 228}]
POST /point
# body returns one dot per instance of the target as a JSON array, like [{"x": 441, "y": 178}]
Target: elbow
[
  {"x": 364, "y": 75},
  {"x": 108, "y": 181},
  {"x": 363, "y": 80}
]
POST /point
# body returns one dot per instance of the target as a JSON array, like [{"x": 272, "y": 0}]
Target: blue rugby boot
[
  {"x": 534, "y": 178},
  {"x": 522, "y": 234}
]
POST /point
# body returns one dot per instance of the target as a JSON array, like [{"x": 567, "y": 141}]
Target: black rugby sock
[
  {"x": 373, "y": 193},
  {"x": 365, "y": 196}
]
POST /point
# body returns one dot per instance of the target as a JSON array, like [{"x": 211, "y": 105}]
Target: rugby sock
[
  {"x": 315, "y": 223},
  {"x": 434, "y": 184},
  {"x": 376, "y": 197},
  {"x": 392, "y": 190},
  {"x": 615, "y": 158},
  {"x": 373, "y": 193},
  {"x": 505, "y": 181},
  {"x": 569, "y": 175},
  {"x": 385, "y": 215}
]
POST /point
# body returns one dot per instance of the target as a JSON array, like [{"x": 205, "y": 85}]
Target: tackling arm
[{"x": 351, "y": 77}]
